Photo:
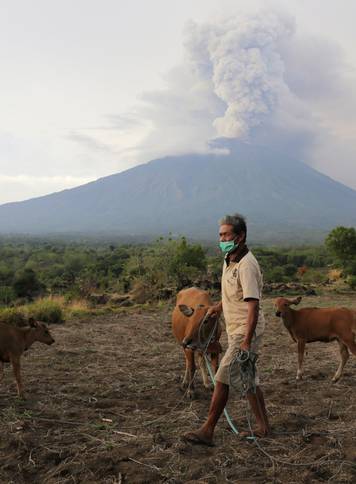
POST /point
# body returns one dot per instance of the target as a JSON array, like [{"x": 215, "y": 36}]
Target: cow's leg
[
  {"x": 190, "y": 368},
  {"x": 203, "y": 369},
  {"x": 301, "y": 346},
  {"x": 349, "y": 340},
  {"x": 15, "y": 360},
  {"x": 185, "y": 381},
  {"x": 344, "y": 356}
]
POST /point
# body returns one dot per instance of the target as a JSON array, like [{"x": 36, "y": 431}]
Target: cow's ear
[
  {"x": 32, "y": 322},
  {"x": 186, "y": 310},
  {"x": 296, "y": 300}
]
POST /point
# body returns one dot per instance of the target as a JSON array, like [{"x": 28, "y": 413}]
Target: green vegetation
[
  {"x": 15, "y": 316},
  {"x": 341, "y": 243},
  {"x": 45, "y": 310},
  {"x": 307, "y": 264},
  {"x": 29, "y": 270},
  {"x": 82, "y": 276}
]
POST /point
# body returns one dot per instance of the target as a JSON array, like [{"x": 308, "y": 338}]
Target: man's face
[{"x": 226, "y": 233}]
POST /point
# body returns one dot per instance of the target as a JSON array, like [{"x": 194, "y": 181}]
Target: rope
[
  {"x": 242, "y": 371},
  {"x": 245, "y": 377},
  {"x": 205, "y": 345},
  {"x": 204, "y": 340},
  {"x": 227, "y": 416}
]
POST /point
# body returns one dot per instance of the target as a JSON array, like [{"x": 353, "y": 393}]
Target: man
[{"x": 241, "y": 288}]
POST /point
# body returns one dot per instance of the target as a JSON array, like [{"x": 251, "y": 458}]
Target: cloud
[
  {"x": 21, "y": 187},
  {"x": 89, "y": 142},
  {"x": 241, "y": 56},
  {"x": 254, "y": 77},
  {"x": 126, "y": 121}
]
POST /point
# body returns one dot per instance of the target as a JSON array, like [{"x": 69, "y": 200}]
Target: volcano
[{"x": 281, "y": 197}]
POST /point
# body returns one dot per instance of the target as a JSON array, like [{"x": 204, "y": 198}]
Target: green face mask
[{"x": 228, "y": 246}]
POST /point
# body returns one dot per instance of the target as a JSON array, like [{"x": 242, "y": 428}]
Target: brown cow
[
  {"x": 191, "y": 308},
  {"x": 319, "y": 324},
  {"x": 14, "y": 341}
]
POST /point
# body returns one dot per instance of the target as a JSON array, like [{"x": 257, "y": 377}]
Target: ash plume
[
  {"x": 242, "y": 58},
  {"x": 254, "y": 78}
]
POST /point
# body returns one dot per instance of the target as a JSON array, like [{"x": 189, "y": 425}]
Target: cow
[
  {"x": 319, "y": 324},
  {"x": 191, "y": 325},
  {"x": 14, "y": 341}
]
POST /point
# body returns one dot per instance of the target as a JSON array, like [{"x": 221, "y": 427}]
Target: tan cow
[
  {"x": 14, "y": 341},
  {"x": 191, "y": 327},
  {"x": 319, "y": 324}
]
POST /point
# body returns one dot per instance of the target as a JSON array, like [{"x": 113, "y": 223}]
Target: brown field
[{"x": 104, "y": 406}]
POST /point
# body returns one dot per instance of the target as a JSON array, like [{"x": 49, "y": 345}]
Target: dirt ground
[{"x": 104, "y": 406}]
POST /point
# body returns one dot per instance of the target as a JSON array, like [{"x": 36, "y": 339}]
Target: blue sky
[{"x": 90, "y": 88}]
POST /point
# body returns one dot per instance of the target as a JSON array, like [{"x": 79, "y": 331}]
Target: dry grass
[
  {"x": 335, "y": 274},
  {"x": 104, "y": 406}
]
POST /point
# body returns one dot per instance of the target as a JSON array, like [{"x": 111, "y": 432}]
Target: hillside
[{"x": 187, "y": 195}]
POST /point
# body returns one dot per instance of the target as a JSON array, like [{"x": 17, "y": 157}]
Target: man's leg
[
  {"x": 204, "y": 434},
  {"x": 257, "y": 404}
]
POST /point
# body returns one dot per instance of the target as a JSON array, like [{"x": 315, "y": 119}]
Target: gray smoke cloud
[
  {"x": 242, "y": 58},
  {"x": 255, "y": 78}
]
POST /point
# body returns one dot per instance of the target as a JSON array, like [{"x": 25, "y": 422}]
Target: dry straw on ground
[{"x": 104, "y": 406}]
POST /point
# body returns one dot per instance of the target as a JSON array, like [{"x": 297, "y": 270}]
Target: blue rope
[{"x": 227, "y": 416}]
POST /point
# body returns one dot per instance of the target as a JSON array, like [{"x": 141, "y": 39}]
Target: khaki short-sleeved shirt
[{"x": 240, "y": 281}]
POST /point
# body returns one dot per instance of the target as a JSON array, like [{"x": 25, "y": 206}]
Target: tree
[
  {"x": 26, "y": 284},
  {"x": 186, "y": 261},
  {"x": 341, "y": 242}
]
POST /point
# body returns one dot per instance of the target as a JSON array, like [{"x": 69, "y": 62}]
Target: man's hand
[
  {"x": 245, "y": 346},
  {"x": 214, "y": 310}
]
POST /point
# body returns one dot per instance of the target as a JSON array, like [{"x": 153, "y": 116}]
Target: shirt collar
[{"x": 237, "y": 254}]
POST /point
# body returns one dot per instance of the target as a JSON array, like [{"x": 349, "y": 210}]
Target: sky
[{"x": 90, "y": 88}]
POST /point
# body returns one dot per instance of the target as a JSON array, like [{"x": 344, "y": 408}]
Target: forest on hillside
[{"x": 30, "y": 269}]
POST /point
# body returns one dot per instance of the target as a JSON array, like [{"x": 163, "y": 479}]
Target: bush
[
  {"x": 341, "y": 242},
  {"x": 7, "y": 295},
  {"x": 351, "y": 281},
  {"x": 46, "y": 310},
  {"x": 314, "y": 276},
  {"x": 350, "y": 268},
  {"x": 274, "y": 275},
  {"x": 335, "y": 274},
  {"x": 27, "y": 285},
  {"x": 13, "y": 316},
  {"x": 290, "y": 270}
]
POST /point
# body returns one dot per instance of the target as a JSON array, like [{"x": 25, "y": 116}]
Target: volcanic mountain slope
[{"x": 188, "y": 194}]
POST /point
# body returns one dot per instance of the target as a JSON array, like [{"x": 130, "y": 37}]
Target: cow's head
[
  {"x": 42, "y": 333},
  {"x": 199, "y": 327},
  {"x": 282, "y": 305}
]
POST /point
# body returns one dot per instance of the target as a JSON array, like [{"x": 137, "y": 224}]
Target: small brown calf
[
  {"x": 319, "y": 324},
  {"x": 190, "y": 311},
  {"x": 14, "y": 341}
]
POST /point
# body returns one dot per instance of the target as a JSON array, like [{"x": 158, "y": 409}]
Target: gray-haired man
[{"x": 241, "y": 288}]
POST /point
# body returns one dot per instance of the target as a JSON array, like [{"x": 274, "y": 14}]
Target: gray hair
[{"x": 237, "y": 221}]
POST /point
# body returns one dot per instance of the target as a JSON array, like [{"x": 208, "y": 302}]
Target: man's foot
[{"x": 198, "y": 438}]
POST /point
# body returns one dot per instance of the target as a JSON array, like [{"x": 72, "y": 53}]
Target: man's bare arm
[
  {"x": 215, "y": 310},
  {"x": 252, "y": 318}
]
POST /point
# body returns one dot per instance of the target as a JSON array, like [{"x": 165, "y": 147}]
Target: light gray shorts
[{"x": 223, "y": 373}]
